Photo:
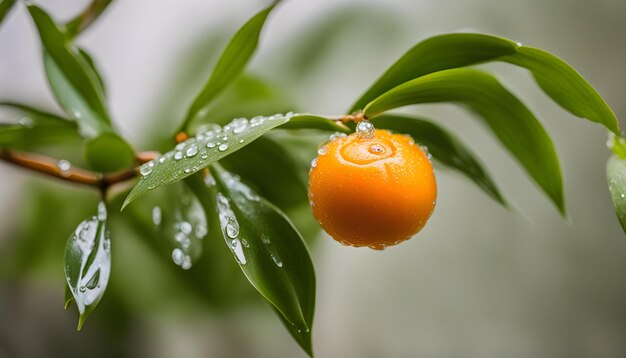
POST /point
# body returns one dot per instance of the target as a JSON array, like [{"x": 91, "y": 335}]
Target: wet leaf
[
  {"x": 88, "y": 263},
  {"x": 555, "y": 77},
  {"x": 512, "y": 123},
  {"x": 198, "y": 152},
  {"x": 444, "y": 147},
  {"x": 267, "y": 247},
  {"x": 231, "y": 64},
  {"x": 616, "y": 177}
]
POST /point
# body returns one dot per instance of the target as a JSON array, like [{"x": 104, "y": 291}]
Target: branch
[{"x": 64, "y": 171}]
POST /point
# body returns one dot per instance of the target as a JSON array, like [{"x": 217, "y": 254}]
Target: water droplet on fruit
[
  {"x": 376, "y": 149},
  {"x": 323, "y": 150},
  {"x": 365, "y": 130},
  {"x": 314, "y": 163}
]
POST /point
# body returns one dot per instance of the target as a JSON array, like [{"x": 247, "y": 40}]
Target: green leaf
[
  {"x": 198, "y": 152},
  {"x": 444, "y": 147},
  {"x": 512, "y": 123},
  {"x": 555, "y": 77},
  {"x": 73, "y": 84},
  {"x": 108, "y": 152},
  {"x": 88, "y": 263},
  {"x": 273, "y": 172},
  {"x": 616, "y": 177},
  {"x": 76, "y": 87},
  {"x": 231, "y": 64},
  {"x": 92, "y": 65},
  {"x": 269, "y": 250},
  {"x": 68, "y": 297},
  {"x": 565, "y": 86},
  {"x": 435, "y": 54},
  {"x": 31, "y": 127},
  {"x": 5, "y": 7},
  {"x": 81, "y": 22}
]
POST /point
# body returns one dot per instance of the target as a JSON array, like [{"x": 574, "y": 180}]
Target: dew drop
[
  {"x": 277, "y": 260},
  {"x": 222, "y": 147},
  {"x": 232, "y": 229},
  {"x": 314, "y": 163},
  {"x": 146, "y": 169},
  {"x": 156, "y": 215},
  {"x": 191, "y": 151},
  {"x": 177, "y": 256},
  {"x": 337, "y": 135},
  {"x": 64, "y": 167},
  {"x": 106, "y": 245},
  {"x": 180, "y": 146},
  {"x": 82, "y": 289},
  {"x": 178, "y": 155},
  {"x": 204, "y": 154},
  {"x": 201, "y": 231},
  {"x": 102, "y": 211},
  {"x": 365, "y": 130},
  {"x": 26, "y": 122},
  {"x": 210, "y": 145},
  {"x": 186, "y": 264},
  {"x": 323, "y": 150},
  {"x": 162, "y": 160}
]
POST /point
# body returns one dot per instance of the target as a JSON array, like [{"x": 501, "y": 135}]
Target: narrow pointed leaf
[
  {"x": 31, "y": 127},
  {"x": 5, "y": 7},
  {"x": 616, "y": 177},
  {"x": 72, "y": 82},
  {"x": 444, "y": 147},
  {"x": 231, "y": 63},
  {"x": 92, "y": 65},
  {"x": 435, "y": 54},
  {"x": 76, "y": 88},
  {"x": 512, "y": 123},
  {"x": 565, "y": 86},
  {"x": 269, "y": 250},
  {"x": 555, "y": 77},
  {"x": 86, "y": 18},
  {"x": 88, "y": 263},
  {"x": 68, "y": 297},
  {"x": 198, "y": 152}
]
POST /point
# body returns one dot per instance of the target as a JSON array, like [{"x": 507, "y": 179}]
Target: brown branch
[{"x": 55, "y": 168}]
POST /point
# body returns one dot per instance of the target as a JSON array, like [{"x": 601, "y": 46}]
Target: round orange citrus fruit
[{"x": 372, "y": 190}]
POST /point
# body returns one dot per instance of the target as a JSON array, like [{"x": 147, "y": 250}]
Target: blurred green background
[{"x": 478, "y": 281}]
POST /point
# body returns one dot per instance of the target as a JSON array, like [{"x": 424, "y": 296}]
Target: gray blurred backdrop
[{"x": 478, "y": 281}]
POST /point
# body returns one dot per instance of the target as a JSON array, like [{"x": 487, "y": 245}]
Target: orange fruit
[{"x": 376, "y": 191}]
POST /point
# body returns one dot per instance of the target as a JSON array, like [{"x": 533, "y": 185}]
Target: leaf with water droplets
[
  {"x": 554, "y": 76},
  {"x": 267, "y": 247},
  {"x": 88, "y": 263},
  {"x": 231, "y": 63},
  {"x": 209, "y": 146},
  {"x": 616, "y": 178},
  {"x": 444, "y": 147},
  {"x": 312, "y": 121},
  {"x": 508, "y": 118},
  {"x": 32, "y": 127}
]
